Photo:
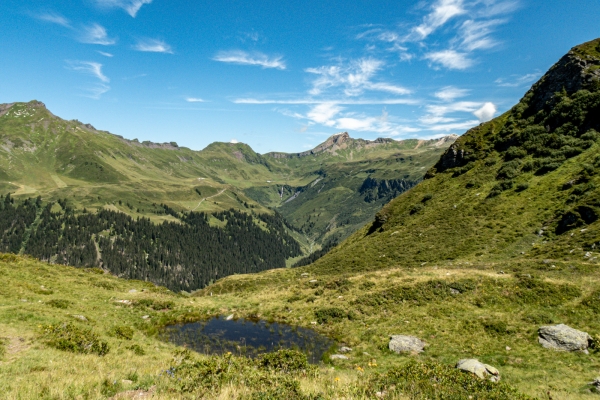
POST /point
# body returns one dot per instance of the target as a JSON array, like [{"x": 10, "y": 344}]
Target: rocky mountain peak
[{"x": 578, "y": 69}]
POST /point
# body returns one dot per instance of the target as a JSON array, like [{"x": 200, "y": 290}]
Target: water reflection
[{"x": 245, "y": 337}]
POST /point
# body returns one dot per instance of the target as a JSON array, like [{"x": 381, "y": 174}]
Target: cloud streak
[
  {"x": 130, "y": 6},
  {"x": 88, "y": 67},
  {"x": 257, "y": 59},
  {"x": 54, "y": 18},
  {"x": 194, "y": 100},
  {"x": 153, "y": 46},
  {"x": 450, "y": 59},
  {"x": 96, "y": 34},
  {"x": 354, "y": 77}
]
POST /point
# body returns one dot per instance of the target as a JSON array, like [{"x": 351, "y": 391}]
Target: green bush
[
  {"x": 154, "y": 304},
  {"x": 59, "y": 303},
  {"x": 122, "y": 332},
  {"x": 69, "y": 337},
  {"x": 286, "y": 361},
  {"x": 515, "y": 152},
  {"x": 366, "y": 285},
  {"x": 137, "y": 349},
  {"x": 416, "y": 208},
  {"x": 522, "y": 187},
  {"x": 436, "y": 382},
  {"x": 509, "y": 170},
  {"x": 2, "y": 348},
  {"x": 333, "y": 314}
]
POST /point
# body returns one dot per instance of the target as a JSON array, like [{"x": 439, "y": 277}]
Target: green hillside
[
  {"x": 43, "y": 155},
  {"x": 500, "y": 238}
]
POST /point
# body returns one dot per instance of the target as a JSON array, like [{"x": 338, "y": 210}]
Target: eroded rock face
[
  {"x": 564, "y": 338},
  {"x": 481, "y": 370},
  {"x": 403, "y": 344},
  {"x": 572, "y": 73}
]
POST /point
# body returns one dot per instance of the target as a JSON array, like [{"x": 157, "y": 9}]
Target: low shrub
[
  {"x": 59, "y": 303},
  {"x": 137, "y": 350},
  {"x": 436, "y": 381},
  {"x": 154, "y": 304},
  {"x": 121, "y": 332},
  {"x": 333, "y": 314},
  {"x": 286, "y": 361},
  {"x": 416, "y": 208},
  {"x": 69, "y": 337},
  {"x": 522, "y": 187}
]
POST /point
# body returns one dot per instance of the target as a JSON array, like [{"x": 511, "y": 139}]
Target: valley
[{"x": 471, "y": 247}]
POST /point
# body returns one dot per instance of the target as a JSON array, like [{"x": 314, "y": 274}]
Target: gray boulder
[
  {"x": 564, "y": 338},
  {"x": 345, "y": 349},
  {"x": 338, "y": 357},
  {"x": 401, "y": 344},
  {"x": 481, "y": 370}
]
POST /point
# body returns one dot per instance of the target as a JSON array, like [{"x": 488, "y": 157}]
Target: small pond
[{"x": 247, "y": 338}]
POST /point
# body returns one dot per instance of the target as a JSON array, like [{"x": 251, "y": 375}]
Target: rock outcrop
[
  {"x": 564, "y": 338},
  {"x": 406, "y": 344},
  {"x": 481, "y": 370}
]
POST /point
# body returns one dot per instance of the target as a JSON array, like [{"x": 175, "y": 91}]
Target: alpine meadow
[{"x": 393, "y": 248}]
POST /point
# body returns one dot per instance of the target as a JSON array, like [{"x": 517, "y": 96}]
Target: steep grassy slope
[
  {"x": 500, "y": 238},
  {"x": 524, "y": 185}
]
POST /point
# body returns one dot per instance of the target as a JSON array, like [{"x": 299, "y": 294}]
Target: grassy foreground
[{"x": 49, "y": 351}]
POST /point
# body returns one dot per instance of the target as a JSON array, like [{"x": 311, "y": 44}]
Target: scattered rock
[
  {"x": 229, "y": 317},
  {"x": 508, "y": 348},
  {"x": 501, "y": 272},
  {"x": 80, "y": 317},
  {"x": 454, "y": 291},
  {"x": 126, "y": 382},
  {"x": 313, "y": 322},
  {"x": 481, "y": 370},
  {"x": 338, "y": 357},
  {"x": 304, "y": 274},
  {"x": 564, "y": 338},
  {"x": 402, "y": 343},
  {"x": 127, "y": 302},
  {"x": 313, "y": 281},
  {"x": 145, "y": 317},
  {"x": 345, "y": 349},
  {"x": 595, "y": 383},
  {"x": 133, "y": 291}
]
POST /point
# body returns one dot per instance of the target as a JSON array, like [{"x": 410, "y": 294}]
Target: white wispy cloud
[
  {"x": 518, "y": 80},
  {"x": 441, "y": 12},
  {"x": 344, "y": 101},
  {"x": 245, "y": 58},
  {"x": 333, "y": 115},
  {"x": 450, "y": 59},
  {"x": 468, "y": 27},
  {"x": 130, "y": 6},
  {"x": 88, "y": 67},
  {"x": 95, "y": 92},
  {"x": 449, "y": 93},
  {"x": 459, "y": 126},
  {"x": 54, "y": 18},
  {"x": 476, "y": 35},
  {"x": 354, "y": 77},
  {"x": 96, "y": 34},
  {"x": 486, "y": 112},
  {"x": 153, "y": 46},
  {"x": 94, "y": 69},
  {"x": 194, "y": 100},
  {"x": 105, "y": 54}
]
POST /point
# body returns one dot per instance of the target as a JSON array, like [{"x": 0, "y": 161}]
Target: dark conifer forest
[{"x": 185, "y": 255}]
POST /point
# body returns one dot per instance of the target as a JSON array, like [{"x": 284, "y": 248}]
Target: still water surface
[{"x": 245, "y": 337}]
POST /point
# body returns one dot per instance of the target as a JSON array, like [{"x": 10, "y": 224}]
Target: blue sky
[{"x": 283, "y": 75}]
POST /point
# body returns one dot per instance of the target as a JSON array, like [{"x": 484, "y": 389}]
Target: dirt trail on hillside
[{"x": 209, "y": 197}]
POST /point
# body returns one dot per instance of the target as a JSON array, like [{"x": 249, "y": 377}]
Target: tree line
[{"x": 184, "y": 255}]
